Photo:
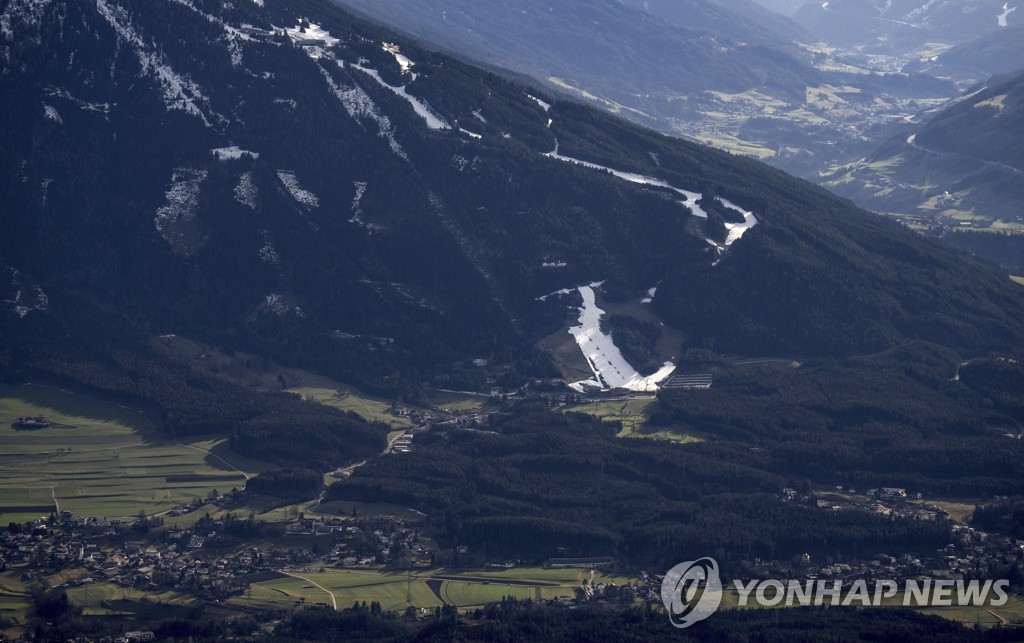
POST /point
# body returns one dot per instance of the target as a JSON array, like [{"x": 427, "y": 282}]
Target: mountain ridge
[{"x": 428, "y": 242}]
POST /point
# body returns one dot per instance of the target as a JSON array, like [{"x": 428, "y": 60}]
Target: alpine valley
[{"x": 426, "y": 317}]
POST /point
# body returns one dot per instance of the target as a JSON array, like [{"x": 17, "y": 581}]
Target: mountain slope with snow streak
[{"x": 233, "y": 157}]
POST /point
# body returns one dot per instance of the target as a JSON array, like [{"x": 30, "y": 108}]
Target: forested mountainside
[
  {"x": 289, "y": 179},
  {"x": 962, "y": 167},
  {"x": 996, "y": 53},
  {"x": 725, "y": 73},
  {"x": 617, "y": 50},
  {"x": 747, "y": 20},
  {"x": 200, "y": 197}
]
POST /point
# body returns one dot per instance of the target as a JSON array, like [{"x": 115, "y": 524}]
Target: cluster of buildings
[
  {"x": 204, "y": 559},
  {"x": 973, "y": 554}
]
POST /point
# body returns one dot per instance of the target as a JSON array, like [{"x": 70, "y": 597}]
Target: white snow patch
[
  {"x": 470, "y": 134},
  {"x": 650, "y": 295},
  {"x": 234, "y": 36},
  {"x": 311, "y": 33},
  {"x": 479, "y": 116},
  {"x": 268, "y": 254},
  {"x": 357, "y": 200},
  {"x": 28, "y": 12},
  {"x": 543, "y": 105},
  {"x": 235, "y": 48},
  {"x": 52, "y": 114},
  {"x": 911, "y": 139},
  {"x": 1001, "y": 18},
  {"x": 182, "y": 203},
  {"x": 245, "y": 191},
  {"x": 920, "y": 11},
  {"x": 232, "y": 153},
  {"x": 610, "y": 368},
  {"x": 359, "y": 105},
  {"x": 16, "y": 298},
  {"x": 737, "y": 230},
  {"x": 276, "y": 303},
  {"x": 315, "y": 52},
  {"x": 691, "y": 197},
  {"x": 179, "y": 92},
  {"x": 297, "y": 192},
  {"x": 434, "y": 121},
  {"x": 402, "y": 60},
  {"x": 557, "y": 293},
  {"x": 102, "y": 108},
  {"x": 734, "y": 231},
  {"x": 357, "y": 208}
]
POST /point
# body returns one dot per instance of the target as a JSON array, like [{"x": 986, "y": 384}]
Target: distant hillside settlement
[{"x": 32, "y": 422}]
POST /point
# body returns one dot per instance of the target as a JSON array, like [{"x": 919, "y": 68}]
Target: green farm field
[
  {"x": 99, "y": 459},
  {"x": 253, "y": 371},
  {"x": 633, "y": 413},
  {"x": 427, "y": 589}
]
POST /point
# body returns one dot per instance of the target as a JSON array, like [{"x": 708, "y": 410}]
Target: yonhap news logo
[{"x": 692, "y": 591}]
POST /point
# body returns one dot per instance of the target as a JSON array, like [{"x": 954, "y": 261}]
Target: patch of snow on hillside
[
  {"x": 44, "y": 188},
  {"x": 920, "y": 11},
  {"x": 52, "y": 114},
  {"x": 357, "y": 200},
  {"x": 359, "y": 105},
  {"x": 102, "y": 108},
  {"x": 15, "y": 294},
  {"x": 650, "y": 295},
  {"x": 557, "y": 293},
  {"x": 179, "y": 92},
  {"x": 691, "y": 197},
  {"x": 1001, "y": 18},
  {"x": 610, "y": 368},
  {"x": 470, "y": 134},
  {"x": 26, "y": 14},
  {"x": 182, "y": 205},
  {"x": 737, "y": 230},
  {"x": 277, "y": 304},
  {"x": 403, "y": 61},
  {"x": 268, "y": 254},
  {"x": 234, "y": 35},
  {"x": 297, "y": 192},
  {"x": 246, "y": 191},
  {"x": 313, "y": 32},
  {"x": 545, "y": 106},
  {"x": 235, "y": 48},
  {"x": 461, "y": 163},
  {"x": 232, "y": 153},
  {"x": 434, "y": 121},
  {"x": 357, "y": 208},
  {"x": 479, "y": 116}
]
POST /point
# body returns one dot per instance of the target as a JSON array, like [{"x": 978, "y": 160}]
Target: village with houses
[{"x": 220, "y": 556}]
